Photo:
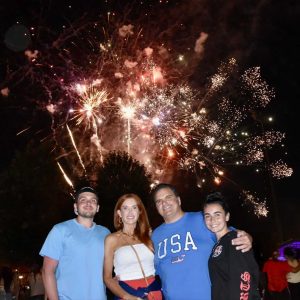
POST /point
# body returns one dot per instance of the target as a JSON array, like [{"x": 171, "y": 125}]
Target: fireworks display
[{"x": 113, "y": 84}]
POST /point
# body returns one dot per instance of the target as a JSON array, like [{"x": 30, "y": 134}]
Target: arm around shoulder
[{"x": 243, "y": 241}]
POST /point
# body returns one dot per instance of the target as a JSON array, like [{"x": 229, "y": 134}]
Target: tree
[
  {"x": 32, "y": 201},
  {"x": 120, "y": 174}
]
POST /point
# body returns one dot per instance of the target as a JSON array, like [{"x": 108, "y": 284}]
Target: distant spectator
[
  {"x": 37, "y": 290},
  {"x": 276, "y": 272},
  {"x": 2, "y": 290},
  {"x": 293, "y": 279},
  {"x": 7, "y": 276},
  {"x": 15, "y": 286}
]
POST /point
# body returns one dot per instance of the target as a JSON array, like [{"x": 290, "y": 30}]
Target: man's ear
[
  {"x": 98, "y": 208},
  {"x": 75, "y": 209},
  {"x": 179, "y": 200},
  {"x": 227, "y": 217}
]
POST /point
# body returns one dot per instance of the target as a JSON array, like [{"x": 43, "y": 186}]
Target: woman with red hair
[{"x": 129, "y": 253}]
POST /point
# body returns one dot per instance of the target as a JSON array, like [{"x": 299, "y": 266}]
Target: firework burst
[{"x": 131, "y": 91}]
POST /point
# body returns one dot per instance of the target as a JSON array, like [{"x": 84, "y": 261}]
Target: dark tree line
[{"x": 34, "y": 196}]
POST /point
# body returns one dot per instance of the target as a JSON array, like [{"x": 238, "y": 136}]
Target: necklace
[{"x": 128, "y": 234}]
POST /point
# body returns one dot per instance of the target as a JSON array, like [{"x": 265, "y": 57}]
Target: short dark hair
[
  {"x": 218, "y": 198},
  {"x": 291, "y": 253},
  {"x": 161, "y": 186},
  {"x": 83, "y": 190}
]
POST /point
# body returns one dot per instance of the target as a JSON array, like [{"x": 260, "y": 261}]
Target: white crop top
[{"x": 126, "y": 265}]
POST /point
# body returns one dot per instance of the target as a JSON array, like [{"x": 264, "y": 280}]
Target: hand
[{"x": 243, "y": 241}]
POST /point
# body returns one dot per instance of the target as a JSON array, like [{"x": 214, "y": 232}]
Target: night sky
[{"x": 64, "y": 36}]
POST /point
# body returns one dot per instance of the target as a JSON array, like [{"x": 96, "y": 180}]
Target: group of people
[
  {"x": 282, "y": 277},
  {"x": 9, "y": 284},
  {"x": 12, "y": 289},
  {"x": 192, "y": 255}
]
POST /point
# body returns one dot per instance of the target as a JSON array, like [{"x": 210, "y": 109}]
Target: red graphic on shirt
[
  {"x": 244, "y": 296},
  {"x": 245, "y": 285}
]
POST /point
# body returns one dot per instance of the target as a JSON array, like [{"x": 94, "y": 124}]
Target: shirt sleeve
[
  {"x": 243, "y": 274},
  {"x": 53, "y": 245},
  {"x": 288, "y": 268}
]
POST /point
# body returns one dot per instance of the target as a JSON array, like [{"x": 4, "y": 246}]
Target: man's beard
[{"x": 87, "y": 214}]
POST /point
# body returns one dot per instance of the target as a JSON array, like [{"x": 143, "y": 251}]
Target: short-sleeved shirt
[
  {"x": 276, "y": 273},
  {"x": 80, "y": 254}
]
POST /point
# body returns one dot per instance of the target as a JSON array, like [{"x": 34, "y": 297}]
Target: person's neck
[
  {"x": 220, "y": 234},
  {"x": 129, "y": 229},
  {"x": 85, "y": 222},
  {"x": 174, "y": 218}
]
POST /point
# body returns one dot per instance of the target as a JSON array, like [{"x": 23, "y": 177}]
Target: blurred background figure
[
  {"x": 37, "y": 290},
  {"x": 15, "y": 285},
  {"x": 2, "y": 290},
  {"x": 6, "y": 278},
  {"x": 276, "y": 272},
  {"x": 293, "y": 279}
]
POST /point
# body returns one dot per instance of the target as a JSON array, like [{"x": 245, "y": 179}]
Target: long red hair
[{"x": 142, "y": 229}]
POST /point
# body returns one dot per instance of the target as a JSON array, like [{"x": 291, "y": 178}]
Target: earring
[{"x": 120, "y": 220}]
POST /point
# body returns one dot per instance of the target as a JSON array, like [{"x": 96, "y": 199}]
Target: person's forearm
[
  {"x": 115, "y": 288},
  {"x": 50, "y": 286}
]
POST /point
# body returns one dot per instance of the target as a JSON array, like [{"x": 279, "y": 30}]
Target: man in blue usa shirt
[{"x": 182, "y": 247}]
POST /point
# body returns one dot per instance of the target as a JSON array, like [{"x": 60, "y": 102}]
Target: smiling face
[
  {"x": 216, "y": 219},
  {"x": 129, "y": 211},
  {"x": 168, "y": 205},
  {"x": 86, "y": 205}
]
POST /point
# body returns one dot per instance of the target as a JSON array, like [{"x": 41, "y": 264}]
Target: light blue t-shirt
[
  {"x": 80, "y": 254},
  {"x": 182, "y": 250}
]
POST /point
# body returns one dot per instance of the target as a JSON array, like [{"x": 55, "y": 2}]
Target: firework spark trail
[
  {"x": 127, "y": 113},
  {"x": 68, "y": 180},
  {"x": 74, "y": 145},
  {"x": 22, "y": 131}
]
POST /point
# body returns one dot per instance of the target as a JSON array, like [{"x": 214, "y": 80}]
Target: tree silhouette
[
  {"x": 34, "y": 197},
  {"x": 120, "y": 174},
  {"x": 32, "y": 201}
]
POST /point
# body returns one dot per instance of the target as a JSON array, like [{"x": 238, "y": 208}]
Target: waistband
[{"x": 141, "y": 291}]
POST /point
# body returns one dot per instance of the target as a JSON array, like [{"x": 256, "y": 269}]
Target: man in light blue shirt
[{"x": 73, "y": 253}]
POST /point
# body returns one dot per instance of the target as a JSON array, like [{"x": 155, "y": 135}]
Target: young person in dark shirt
[{"x": 234, "y": 275}]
